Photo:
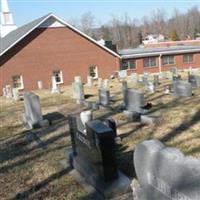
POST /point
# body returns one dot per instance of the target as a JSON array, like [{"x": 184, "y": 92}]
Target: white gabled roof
[{"x": 17, "y": 35}]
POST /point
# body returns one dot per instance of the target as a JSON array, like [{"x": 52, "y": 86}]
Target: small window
[
  {"x": 93, "y": 71},
  {"x": 188, "y": 58},
  {"x": 128, "y": 64},
  {"x": 58, "y": 76},
  {"x": 149, "y": 62},
  {"x": 167, "y": 60},
  {"x": 18, "y": 82}
]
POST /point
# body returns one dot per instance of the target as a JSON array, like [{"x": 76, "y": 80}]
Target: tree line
[{"x": 128, "y": 33}]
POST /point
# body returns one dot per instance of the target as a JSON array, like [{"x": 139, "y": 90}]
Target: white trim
[
  {"x": 21, "y": 81},
  {"x": 61, "y": 77},
  {"x": 68, "y": 25}
]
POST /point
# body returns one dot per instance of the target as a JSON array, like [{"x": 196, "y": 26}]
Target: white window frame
[
  {"x": 61, "y": 76},
  {"x": 149, "y": 61},
  {"x": 129, "y": 64},
  {"x": 96, "y": 71},
  {"x": 168, "y": 60},
  {"x": 189, "y": 54},
  {"x": 21, "y": 81}
]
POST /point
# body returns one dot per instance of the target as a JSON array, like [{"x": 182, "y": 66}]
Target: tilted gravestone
[
  {"x": 104, "y": 97},
  {"x": 134, "y": 100},
  {"x": 32, "y": 117},
  {"x": 194, "y": 80},
  {"x": 78, "y": 92},
  {"x": 94, "y": 157},
  {"x": 165, "y": 173},
  {"x": 182, "y": 89}
]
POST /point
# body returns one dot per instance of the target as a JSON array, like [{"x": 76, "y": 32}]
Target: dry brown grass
[{"x": 31, "y": 162}]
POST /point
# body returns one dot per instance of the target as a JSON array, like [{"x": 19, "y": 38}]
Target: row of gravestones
[
  {"x": 163, "y": 173},
  {"x": 11, "y": 93}
]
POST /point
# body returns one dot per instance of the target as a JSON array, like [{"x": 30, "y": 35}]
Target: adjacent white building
[{"x": 153, "y": 38}]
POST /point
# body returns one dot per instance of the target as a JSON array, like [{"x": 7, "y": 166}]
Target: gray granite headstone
[
  {"x": 33, "y": 114},
  {"x": 9, "y": 91},
  {"x": 194, "y": 80},
  {"x": 78, "y": 92},
  {"x": 15, "y": 92},
  {"x": 104, "y": 97},
  {"x": 182, "y": 88},
  {"x": 133, "y": 100},
  {"x": 165, "y": 173}
]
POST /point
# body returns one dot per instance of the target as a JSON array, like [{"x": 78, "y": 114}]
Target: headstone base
[
  {"x": 107, "y": 190},
  {"x": 30, "y": 125}
]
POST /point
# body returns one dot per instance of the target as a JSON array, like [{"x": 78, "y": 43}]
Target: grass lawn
[{"x": 32, "y": 162}]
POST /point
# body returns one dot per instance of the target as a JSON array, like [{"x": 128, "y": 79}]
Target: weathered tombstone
[
  {"x": 156, "y": 80},
  {"x": 182, "y": 89},
  {"x": 122, "y": 74},
  {"x": 9, "y": 91},
  {"x": 15, "y": 92},
  {"x": 94, "y": 157},
  {"x": 173, "y": 70},
  {"x": 89, "y": 81},
  {"x": 134, "y": 100},
  {"x": 40, "y": 85},
  {"x": 4, "y": 92},
  {"x": 134, "y": 77},
  {"x": 151, "y": 87},
  {"x": 54, "y": 88},
  {"x": 104, "y": 97},
  {"x": 32, "y": 117},
  {"x": 78, "y": 92},
  {"x": 194, "y": 80},
  {"x": 190, "y": 71},
  {"x": 106, "y": 84},
  {"x": 77, "y": 79},
  {"x": 100, "y": 83},
  {"x": 166, "y": 89},
  {"x": 165, "y": 173}
]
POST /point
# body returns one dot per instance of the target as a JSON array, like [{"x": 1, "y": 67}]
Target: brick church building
[{"x": 48, "y": 47}]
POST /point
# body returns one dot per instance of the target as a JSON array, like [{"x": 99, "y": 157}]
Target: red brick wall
[
  {"x": 178, "y": 63},
  {"x": 45, "y": 50}
]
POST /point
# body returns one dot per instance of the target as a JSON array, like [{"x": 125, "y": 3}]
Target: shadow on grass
[{"x": 42, "y": 184}]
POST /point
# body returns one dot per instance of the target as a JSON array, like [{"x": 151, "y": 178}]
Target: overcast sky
[{"x": 27, "y": 10}]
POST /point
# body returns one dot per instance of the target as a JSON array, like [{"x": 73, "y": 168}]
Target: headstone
[
  {"x": 151, "y": 87},
  {"x": 190, "y": 71},
  {"x": 100, "y": 83},
  {"x": 9, "y": 92},
  {"x": 122, "y": 74},
  {"x": 32, "y": 117},
  {"x": 77, "y": 79},
  {"x": 149, "y": 120},
  {"x": 78, "y": 92},
  {"x": 89, "y": 81},
  {"x": 194, "y": 80},
  {"x": 54, "y": 88},
  {"x": 176, "y": 78},
  {"x": 140, "y": 78},
  {"x": 104, "y": 97},
  {"x": 165, "y": 173},
  {"x": 134, "y": 77},
  {"x": 94, "y": 157},
  {"x": 40, "y": 85},
  {"x": 166, "y": 89},
  {"x": 134, "y": 100},
  {"x": 4, "y": 92},
  {"x": 85, "y": 117},
  {"x": 156, "y": 80},
  {"x": 15, "y": 92},
  {"x": 173, "y": 70},
  {"x": 106, "y": 84},
  {"x": 182, "y": 89}
]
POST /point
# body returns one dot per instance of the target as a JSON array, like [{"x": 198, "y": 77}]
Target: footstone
[
  {"x": 194, "y": 80},
  {"x": 182, "y": 88},
  {"x": 33, "y": 115},
  {"x": 94, "y": 158},
  {"x": 165, "y": 173}
]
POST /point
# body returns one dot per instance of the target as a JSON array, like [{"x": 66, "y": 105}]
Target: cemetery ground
[{"x": 33, "y": 164}]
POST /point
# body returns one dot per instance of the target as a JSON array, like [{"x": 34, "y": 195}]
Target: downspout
[{"x": 160, "y": 63}]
